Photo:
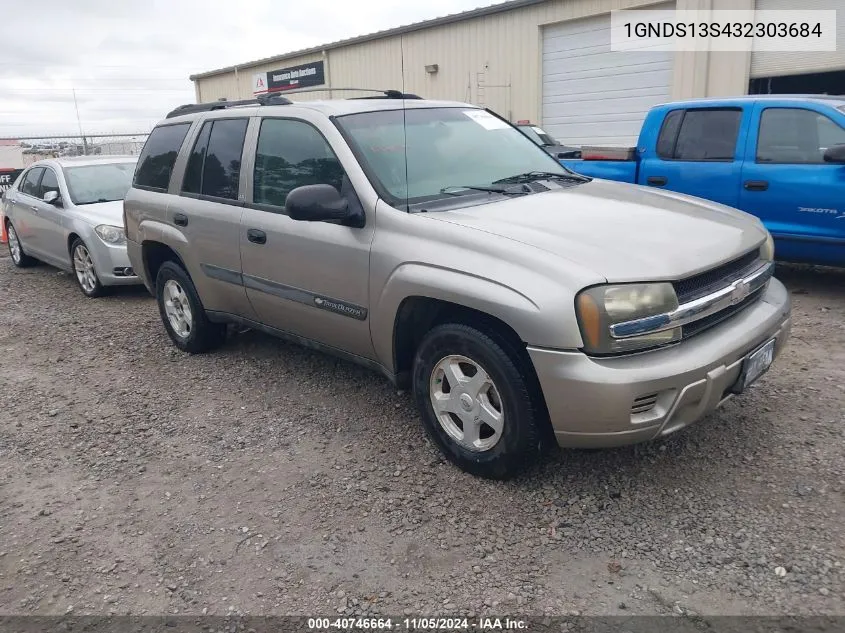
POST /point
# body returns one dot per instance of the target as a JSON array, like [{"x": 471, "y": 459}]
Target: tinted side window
[
  {"x": 708, "y": 135},
  {"x": 193, "y": 173},
  {"x": 222, "y": 168},
  {"x": 796, "y": 136},
  {"x": 291, "y": 154},
  {"x": 30, "y": 181},
  {"x": 158, "y": 156},
  {"x": 49, "y": 183},
  {"x": 668, "y": 133}
]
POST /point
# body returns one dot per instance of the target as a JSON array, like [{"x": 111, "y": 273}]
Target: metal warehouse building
[{"x": 548, "y": 61}]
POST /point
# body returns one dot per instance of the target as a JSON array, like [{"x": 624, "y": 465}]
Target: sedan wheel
[
  {"x": 19, "y": 258},
  {"x": 83, "y": 267}
]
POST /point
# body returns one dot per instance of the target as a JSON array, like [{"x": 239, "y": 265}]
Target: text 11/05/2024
[{"x": 417, "y": 624}]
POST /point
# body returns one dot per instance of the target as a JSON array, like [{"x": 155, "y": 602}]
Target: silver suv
[{"x": 434, "y": 242}]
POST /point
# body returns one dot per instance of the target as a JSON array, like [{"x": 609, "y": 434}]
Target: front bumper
[
  {"x": 111, "y": 262},
  {"x": 600, "y": 402}
]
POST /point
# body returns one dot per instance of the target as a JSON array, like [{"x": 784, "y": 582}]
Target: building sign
[
  {"x": 7, "y": 178},
  {"x": 302, "y": 76}
]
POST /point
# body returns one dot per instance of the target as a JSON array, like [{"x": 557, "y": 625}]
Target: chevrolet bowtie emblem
[{"x": 740, "y": 291}]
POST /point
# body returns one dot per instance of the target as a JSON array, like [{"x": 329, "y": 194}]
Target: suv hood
[{"x": 619, "y": 231}]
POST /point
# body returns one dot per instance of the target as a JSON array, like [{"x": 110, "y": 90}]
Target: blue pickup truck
[{"x": 779, "y": 157}]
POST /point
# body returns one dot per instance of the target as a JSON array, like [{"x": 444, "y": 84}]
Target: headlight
[
  {"x": 767, "y": 250},
  {"x": 601, "y": 307},
  {"x": 110, "y": 234}
]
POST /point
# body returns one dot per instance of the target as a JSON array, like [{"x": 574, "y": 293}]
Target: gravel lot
[{"x": 265, "y": 478}]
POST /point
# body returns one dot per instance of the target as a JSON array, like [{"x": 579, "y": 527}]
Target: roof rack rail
[
  {"x": 222, "y": 104},
  {"x": 392, "y": 94},
  {"x": 383, "y": 94}
]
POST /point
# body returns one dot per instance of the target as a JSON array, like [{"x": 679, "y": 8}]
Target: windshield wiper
[
  {"x": 502, "y": 190},
  {"x": 531, "y": 176},
  {"x": 98, "y": 200}
]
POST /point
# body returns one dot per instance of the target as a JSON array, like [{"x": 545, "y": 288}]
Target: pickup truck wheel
[
  {"x": 475, "y": 402},
  {"x": 182, "y": 313}
]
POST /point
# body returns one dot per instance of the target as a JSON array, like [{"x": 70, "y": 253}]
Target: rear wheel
[
  {"x": 84, "y": 271},
  {"x": 19, "y": 258},
  {"x": 182, "y": 313},
  {"x": 475, "y": 401}
]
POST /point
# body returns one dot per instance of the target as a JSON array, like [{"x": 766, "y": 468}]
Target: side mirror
[
  {"x": 52, "y": 197},
  {"x": 835, "y": 154},
  {"x": 316, "y": 203}
]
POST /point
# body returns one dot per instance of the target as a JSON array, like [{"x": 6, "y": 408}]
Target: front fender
[{"x": 419, "y": 279}]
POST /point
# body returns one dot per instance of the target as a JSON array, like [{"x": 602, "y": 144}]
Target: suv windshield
[
  {"x": 105, "y": 182},
  {"x": 447, "y": 149}
]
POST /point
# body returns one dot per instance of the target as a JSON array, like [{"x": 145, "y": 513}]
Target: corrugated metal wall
[{"x": 492, "y": 61}]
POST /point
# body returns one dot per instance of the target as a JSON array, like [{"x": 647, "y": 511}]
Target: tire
[
  {"x": 506, "y": 390},
  {"x": 19, "y": 258},
  {"x": 84, "y": 271},
  {"x": 193, "y": 332}
]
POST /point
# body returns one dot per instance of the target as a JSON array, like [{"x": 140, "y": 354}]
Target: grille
[
  {"x": 696, "y": 327},
  {"x": 714, "y": 279},
  {"x": 644, "y": 404}
]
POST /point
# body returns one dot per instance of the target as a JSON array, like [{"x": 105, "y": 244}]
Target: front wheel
[
  {"x": 182, "y": 313},
  {"x": 476, "y": 405},
  {"x": 84, "y": 271}
]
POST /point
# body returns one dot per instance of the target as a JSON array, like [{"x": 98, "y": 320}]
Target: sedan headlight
[
  {"x": 767, "y": 250},
  {"x": 602, "y": 307},
  {"x": 110, "y": 234}
]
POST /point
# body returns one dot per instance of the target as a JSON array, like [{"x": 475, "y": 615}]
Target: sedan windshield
[
  {"x": 448, "y": 149},
  {"x": 104, "y": 182}
]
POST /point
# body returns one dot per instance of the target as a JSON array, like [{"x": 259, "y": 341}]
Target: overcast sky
[{"x": 129, "y": 60}]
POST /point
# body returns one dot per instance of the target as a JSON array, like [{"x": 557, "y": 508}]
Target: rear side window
[
  {"x": 669, "y": 133},
  {"x": 796, "y": 136},
  {"x": 291, "y": 154},
  {"x": 699, "y": 135},
  {"x": 156, "y": 161},
  {"x": 29, "y": 185},
  {"x": 193, "y": 173},
  {"x": 214, "y": 166},
  {"x": 708, "y": 135},
  {"x": 221, "y": 170}
]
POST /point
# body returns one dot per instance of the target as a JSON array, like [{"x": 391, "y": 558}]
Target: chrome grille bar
[{"x": 699, "y": 308}]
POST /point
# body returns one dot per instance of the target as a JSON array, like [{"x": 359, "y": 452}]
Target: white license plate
[{"x": 755, "y": 366}]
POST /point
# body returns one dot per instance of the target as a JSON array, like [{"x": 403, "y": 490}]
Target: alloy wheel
[{"x": 467, "y": 403}]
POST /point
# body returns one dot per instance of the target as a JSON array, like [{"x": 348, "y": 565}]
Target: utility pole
[{"x": 79, "y": 121}]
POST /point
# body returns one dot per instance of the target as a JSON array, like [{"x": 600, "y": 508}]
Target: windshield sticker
[{"x": 485, "y": 119}]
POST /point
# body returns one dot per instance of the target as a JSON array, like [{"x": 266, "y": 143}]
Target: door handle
[
  {"x": 34, "y": 208},
  {"x": 658, "y": 181},
  {"x": 256, "y": 236},
  {"x": 756, "y": 185},
  {"x": 180, "y": 219}
]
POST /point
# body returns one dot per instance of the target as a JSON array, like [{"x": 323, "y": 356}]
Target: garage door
[
  {"x": 774, "y": 63},
  {"x": 592, "y": 95}
]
